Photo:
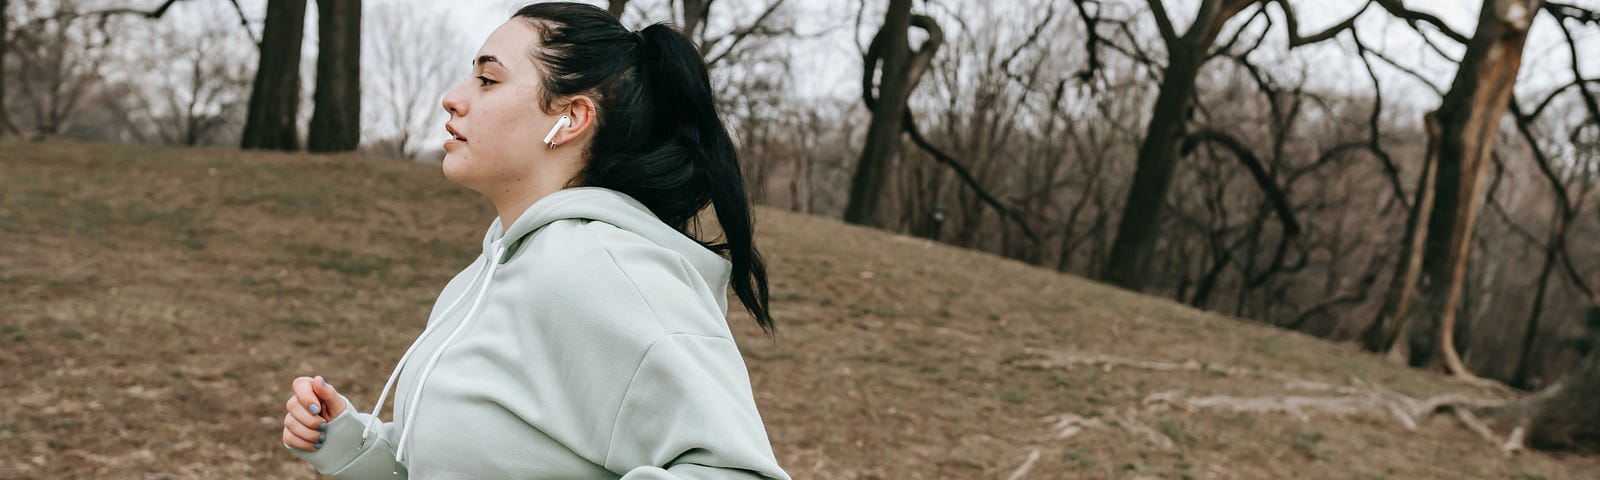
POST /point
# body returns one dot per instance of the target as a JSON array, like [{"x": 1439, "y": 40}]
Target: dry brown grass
[{"x": 154, "y": 303}]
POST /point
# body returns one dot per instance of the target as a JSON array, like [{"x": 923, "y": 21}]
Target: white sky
[
  {"x": 833, "y": 58},
  {"x": 828, "y": 65}
]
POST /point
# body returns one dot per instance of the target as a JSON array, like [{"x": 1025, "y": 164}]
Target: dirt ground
[{"x": 155, "y": 302}]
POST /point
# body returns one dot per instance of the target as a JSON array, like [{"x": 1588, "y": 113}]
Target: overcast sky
[
  {"x": 830, "y": 63},
  {"x": 832, "y": 55}
]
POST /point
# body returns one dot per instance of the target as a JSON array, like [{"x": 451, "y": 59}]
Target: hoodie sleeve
[
  {"x": 344, "y": 456},
  {"x": 689, "y": 413}
]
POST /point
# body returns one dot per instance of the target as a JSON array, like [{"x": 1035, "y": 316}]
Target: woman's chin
[{"x": 455, "y": 167}]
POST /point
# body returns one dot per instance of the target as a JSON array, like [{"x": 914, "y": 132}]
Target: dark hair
[{"x": 658, "y": 137}]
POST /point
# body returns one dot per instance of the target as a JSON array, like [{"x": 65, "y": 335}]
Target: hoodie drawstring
[
  {"x": 427, "y": 367},
  {"x": 405, "y": 430},
  {"x": 383, "y": 395}
]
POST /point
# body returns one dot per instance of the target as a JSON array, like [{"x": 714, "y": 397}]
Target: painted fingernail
[
  {"x": 318, "y": 446},
  {"x": 324, "y": 383},
  {"x": 323, "y": 427},
  {"x": 315, "y": 409},
  {"x": 321, "y": 438}
]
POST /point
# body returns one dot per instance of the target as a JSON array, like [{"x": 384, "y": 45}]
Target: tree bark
[
  {"x": 883, "y": 133},
  {"x": 336, "y": 118},
  {"x": 275, "y": 94},
  {"x": 1469, "y": 120}
]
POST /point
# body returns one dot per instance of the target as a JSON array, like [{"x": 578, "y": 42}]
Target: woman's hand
[{"x": 313, "y": 405}]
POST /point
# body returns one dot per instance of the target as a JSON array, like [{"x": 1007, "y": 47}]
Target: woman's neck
[{"x": 511, "y": 201}]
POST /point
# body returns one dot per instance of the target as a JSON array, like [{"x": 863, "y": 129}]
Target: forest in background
[{"x": 1434, "y": 201}]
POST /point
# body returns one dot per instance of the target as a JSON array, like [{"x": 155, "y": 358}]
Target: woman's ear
[{"x": 582, "y": 112}]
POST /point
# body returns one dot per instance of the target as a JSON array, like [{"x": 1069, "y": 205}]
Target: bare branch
[
  {"x": 1374, "y": 139},
  {"x": 1413, "y": 17},
  {"x": 245, "y": 22},
  {"x": 1408, "y": 71},
  {"x": 161, "y": 11},
  {"x": 1563, "y": 11},
  {"x": 756, "y": 27},
  {"x": 1295, "y": 39},
  {"x": 1269, "y": 187},
  {"x": 1589, "y": 101},
  {"x": 1038, "y": 31},
  {"x": 1227, "y": 46},
  {"x": 150, "y": 14},
  {"x": 966, "y": 177},
  {"x": 1164, "y": 23}
]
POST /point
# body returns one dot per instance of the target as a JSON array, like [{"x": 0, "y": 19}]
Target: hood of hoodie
[{"x": 617, "y": 209}]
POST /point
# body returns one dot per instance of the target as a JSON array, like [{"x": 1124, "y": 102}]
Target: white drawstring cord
[
  {"x": 416, "y": 395},
  {"x": 398, "y": 366}
]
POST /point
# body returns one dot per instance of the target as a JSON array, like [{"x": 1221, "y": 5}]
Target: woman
[{"x": 589, "y": 340}]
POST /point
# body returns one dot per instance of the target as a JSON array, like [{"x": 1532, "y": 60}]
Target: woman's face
[{"x": 496, "y": 122}]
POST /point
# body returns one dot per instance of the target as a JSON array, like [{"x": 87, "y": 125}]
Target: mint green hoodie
[{"x": 588, "y": 341}]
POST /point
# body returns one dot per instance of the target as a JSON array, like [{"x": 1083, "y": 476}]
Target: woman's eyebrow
[{"x": 482, "y": 59}]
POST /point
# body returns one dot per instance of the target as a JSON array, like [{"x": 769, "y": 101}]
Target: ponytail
[{"x": 659, "y": 138}]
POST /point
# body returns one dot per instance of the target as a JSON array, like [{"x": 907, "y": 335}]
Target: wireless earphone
[{"x": 561, "y": 122}]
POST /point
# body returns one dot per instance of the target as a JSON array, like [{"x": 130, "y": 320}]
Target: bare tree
[
  {"x": 1158, "y": 152},
  {"x": 274, "y": 96},
  {"x": 1461, "y": 137},
  {"x": 407, "y": 78},
  {"x": 336, "y": 117},
  {"x": 902, "y": 68},
  {"x": 187, "y": 86},
  {"x": 59, "y": 57}
]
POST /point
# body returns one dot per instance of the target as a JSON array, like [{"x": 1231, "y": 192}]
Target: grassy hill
[{"x": 155, "y": 302}]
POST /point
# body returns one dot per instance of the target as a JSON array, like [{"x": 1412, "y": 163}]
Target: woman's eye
[{"x": 485, "y": 81}]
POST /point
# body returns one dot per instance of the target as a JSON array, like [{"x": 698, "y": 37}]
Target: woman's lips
[{"x": 455, "y": 138}]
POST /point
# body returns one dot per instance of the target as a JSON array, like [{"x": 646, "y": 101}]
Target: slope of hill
[{"x": 154, "y": 303}]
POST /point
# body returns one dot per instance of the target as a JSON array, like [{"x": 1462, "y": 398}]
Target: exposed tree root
[
  {"x": 1361, "y": 398},
  {"x": 1026, "y": 466},
  {"x": 1068, "y": 425}
]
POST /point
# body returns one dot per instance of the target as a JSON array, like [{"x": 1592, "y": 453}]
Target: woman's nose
[{"x": 455, "y": 102}]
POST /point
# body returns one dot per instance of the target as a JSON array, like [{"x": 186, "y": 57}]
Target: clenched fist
[{"x": 313, "y": 405}]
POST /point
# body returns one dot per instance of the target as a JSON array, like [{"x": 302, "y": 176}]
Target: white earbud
[{"x": 562, "y": 122}]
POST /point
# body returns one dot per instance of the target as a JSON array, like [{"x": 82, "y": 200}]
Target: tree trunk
[
  {"x": 1522, "y": 377},
  {"x": 336, "y": 119},
  {"x": 1158, "y": 155},
  {"x": 6, "y": 128},
  {"x": 275, "y": 94},
  {"x": 1384, "y": 332},
  {"x": 617, "y": 7},
  {"x": 1158, "y": 152},
  {"x": 1469, "y": 120},
  {"x": 695, "y": 13},
  {"x": 883, "y": 133}
]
